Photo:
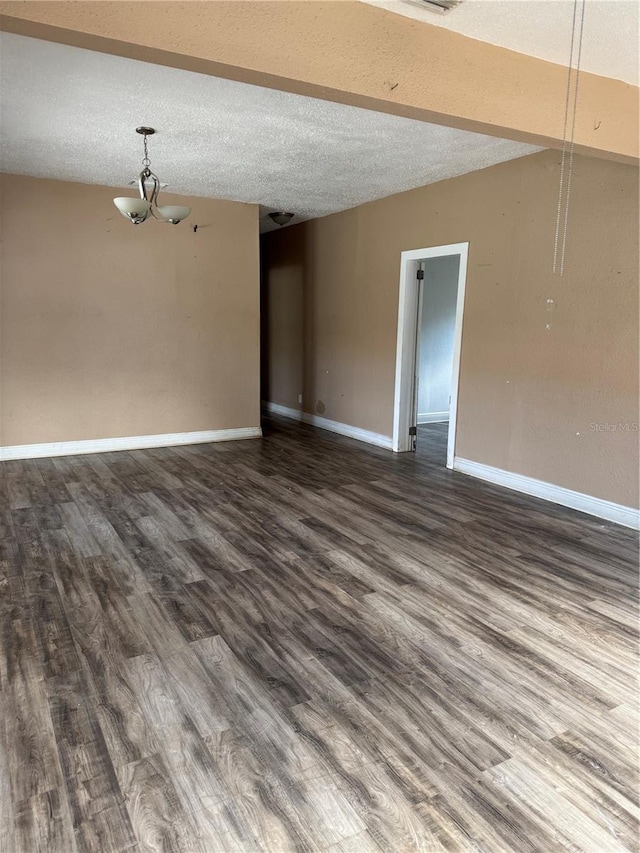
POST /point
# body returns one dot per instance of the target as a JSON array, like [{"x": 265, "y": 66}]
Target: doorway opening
[{"x": 430, "y": 315}]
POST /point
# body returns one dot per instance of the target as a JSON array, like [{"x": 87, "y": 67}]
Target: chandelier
[{"x": 138, "y": 210}]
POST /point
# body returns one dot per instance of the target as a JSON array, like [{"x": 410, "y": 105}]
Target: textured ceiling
[
  {"x": 71, "y": 114},
  {"x": 542, "y": 28}
]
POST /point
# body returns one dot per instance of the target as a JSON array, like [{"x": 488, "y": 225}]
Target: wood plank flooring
[{"x": 304, "y": 643}]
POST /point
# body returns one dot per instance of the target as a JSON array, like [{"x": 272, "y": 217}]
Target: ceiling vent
[{"x": 439, "y": 6}]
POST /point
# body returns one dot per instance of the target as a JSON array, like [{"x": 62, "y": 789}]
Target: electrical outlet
[{"x": 299, "y": 398}]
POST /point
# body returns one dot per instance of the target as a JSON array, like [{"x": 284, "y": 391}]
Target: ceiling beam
[{"x": 351, "y": 53}]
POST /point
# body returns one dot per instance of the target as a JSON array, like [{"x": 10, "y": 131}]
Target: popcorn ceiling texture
[{"x": 71, "y": 114}]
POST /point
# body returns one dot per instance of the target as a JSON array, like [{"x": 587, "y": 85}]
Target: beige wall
[
  {"x": 114, "y": 330},
  {"x": 528, "y": 394},
  {"x": 282, "y": 332}
]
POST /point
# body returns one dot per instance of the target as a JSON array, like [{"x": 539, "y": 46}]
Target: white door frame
[{"x": 406, "y": 343}]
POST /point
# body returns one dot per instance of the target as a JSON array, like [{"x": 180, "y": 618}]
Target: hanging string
[
  {"x": 564, "y": 193},
  {"x": 571, "y": 144},
  {"x": 563, "y": 158}
]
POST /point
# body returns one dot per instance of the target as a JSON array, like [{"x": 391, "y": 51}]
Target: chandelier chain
[{"x": 145, "y": 160}]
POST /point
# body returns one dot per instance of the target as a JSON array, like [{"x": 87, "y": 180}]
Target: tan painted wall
[
  {"x": 114, "y": 330},
  {"x": 282, "y": 332},
  {"x": 352, "y": 53},
  {"x": 528, "y": 395}
]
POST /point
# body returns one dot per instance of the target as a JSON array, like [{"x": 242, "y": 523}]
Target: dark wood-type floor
[{"x": 303, "y": 643}]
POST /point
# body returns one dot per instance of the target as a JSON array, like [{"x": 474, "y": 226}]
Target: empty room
[{"x": 319, "y": 462}]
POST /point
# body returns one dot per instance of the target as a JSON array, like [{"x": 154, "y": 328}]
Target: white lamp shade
[
  {"x": 133, "y": 208},
  {"x": 174, "y": 212}
]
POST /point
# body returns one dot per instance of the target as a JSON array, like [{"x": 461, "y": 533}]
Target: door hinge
[
  {"x": 413, "y": 430},
  {"x": 420, "y": 275}
]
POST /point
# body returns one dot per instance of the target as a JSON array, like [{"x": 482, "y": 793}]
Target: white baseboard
[
  {"x": 333, "y": 426},
  {"x": 624, "y": 515},
  {"x": 284, "y": 411},
  {"x": 433, "y": 417},
  {"x": 132, "y": 442}
]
